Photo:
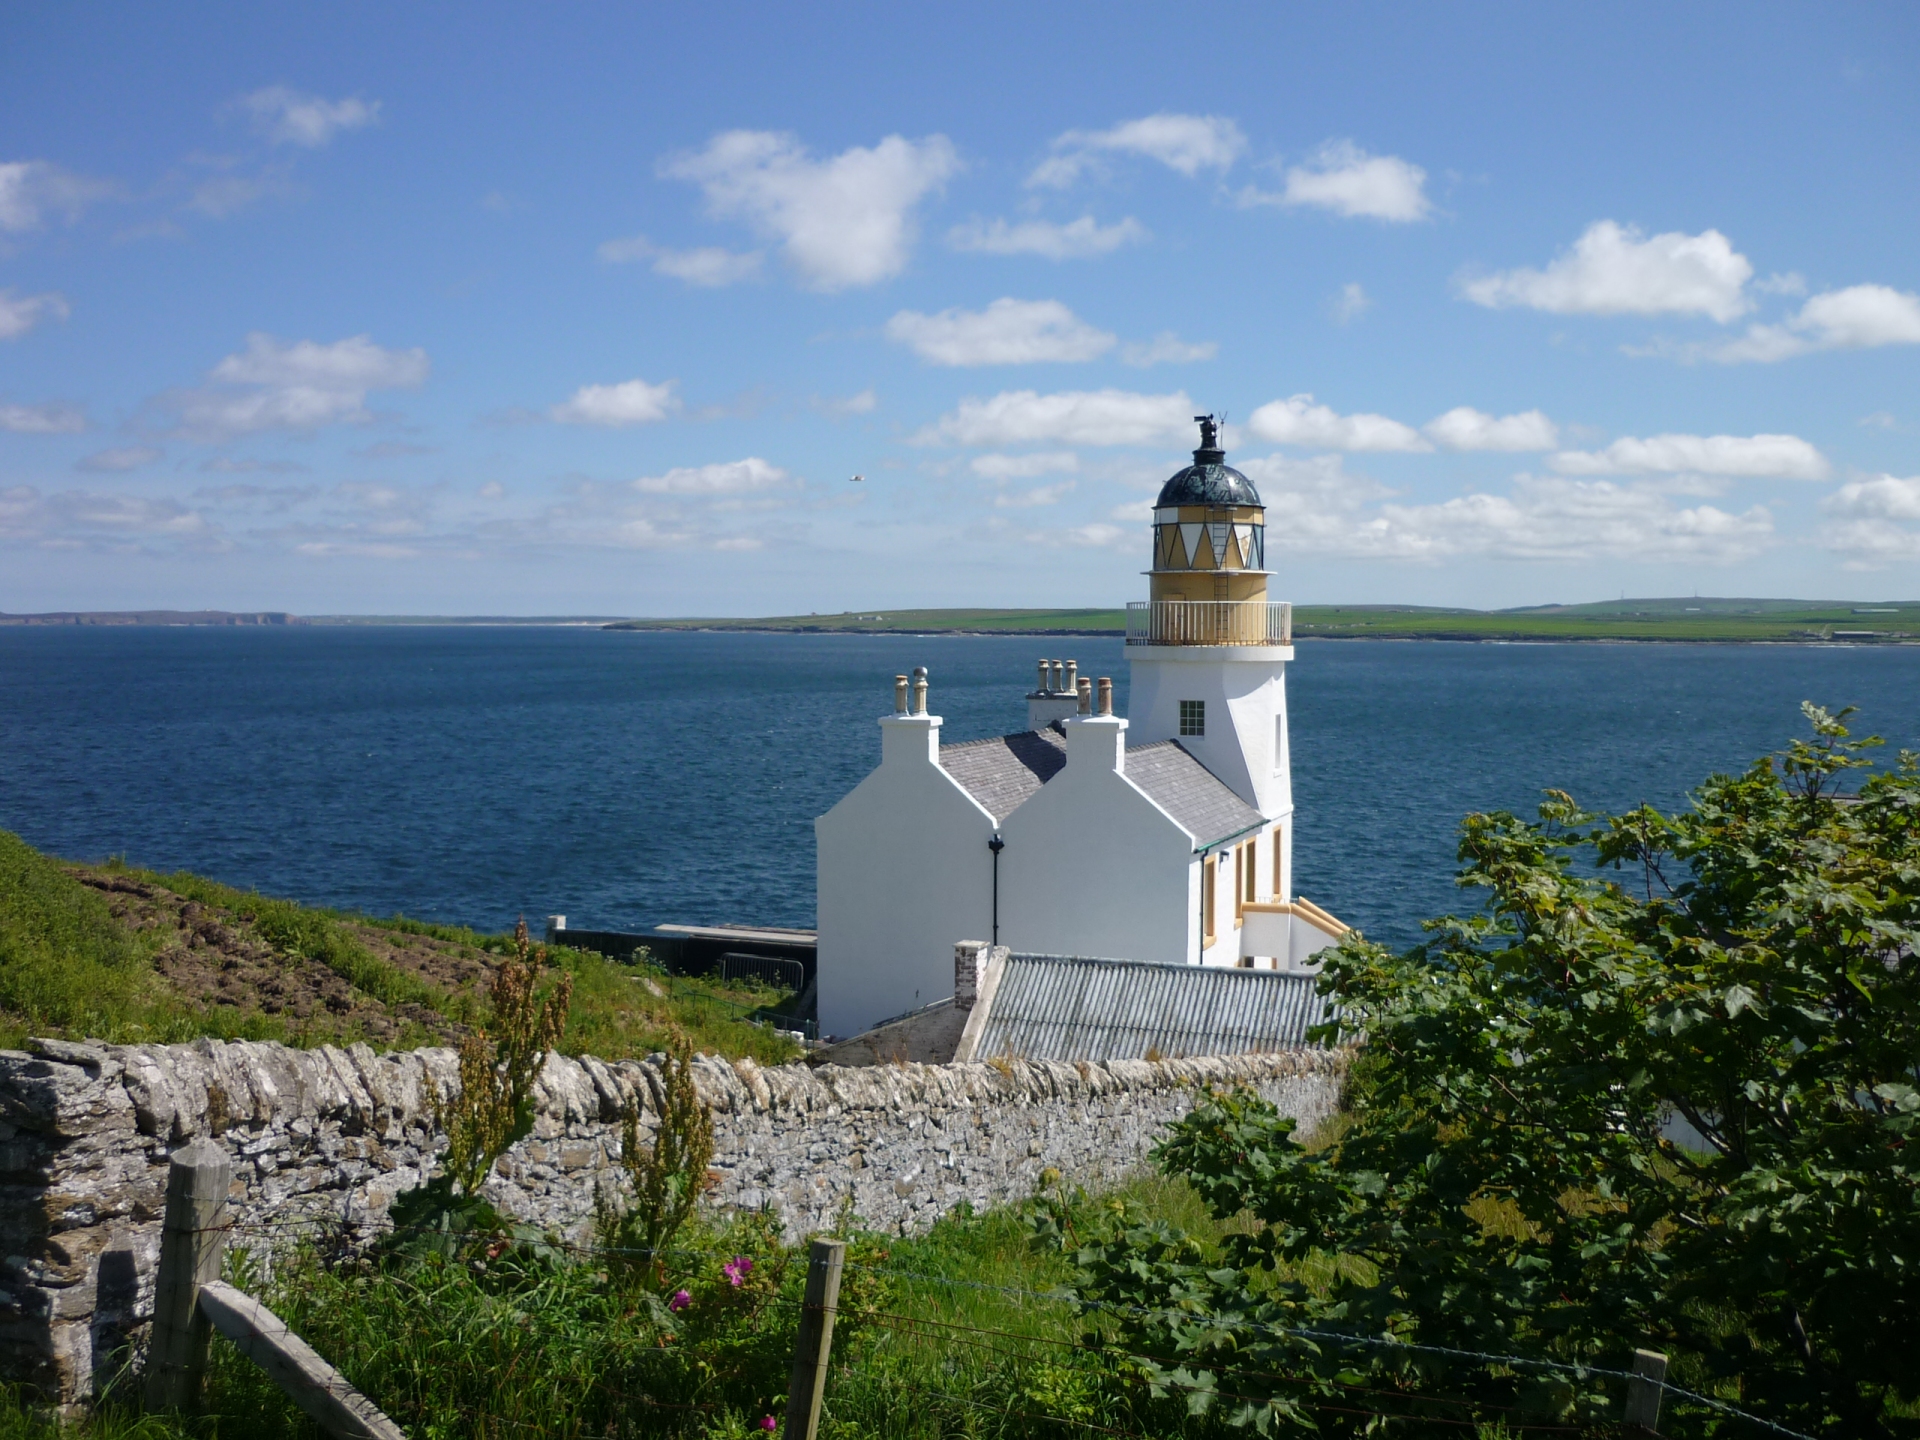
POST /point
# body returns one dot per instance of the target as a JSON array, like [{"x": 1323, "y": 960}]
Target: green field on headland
[{"x": 1697, "y": 619}]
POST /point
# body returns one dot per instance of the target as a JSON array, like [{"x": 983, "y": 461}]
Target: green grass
[
  {"x": 1679, "y": 619},
  {"x": 70, "y": 970},
  {"x": 546, "y": 1342}
]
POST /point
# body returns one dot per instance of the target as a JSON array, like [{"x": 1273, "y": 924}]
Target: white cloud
[
  {"x": 733, "y": 477},
  {"x": 1025, "y": 467},
  {"x": 120, "y": 458},
  {"x": 73, "y": 518},
  {"x": 1874, "y": 522},
  {"x": 1465, "y": 428},
  {"x": 1187, "y": 143},
  {"x": 1859, "y": 317},
  {"x": 1885, "y": 497},
  {"x": 298, "y": 386},
  {"x": 864, "y": 403},
  {"x": 31, "y": 189},
  {"x": 287, "y": 117},
  {"x": 1614, "y": 270},
  {"x": 1879, "y": 420},
  {"x": 1351, "y": 303},
  {"x": 1073, "y": 417},
  {"x": 1007, "y": 332},
  {"x": 1791, "y": 283},
  {"x": 631, "y": 402},
  {"x": 842, "y": 222},
  {"x": 1780, "y": 457},
  {"x": 709, "y": 266},
  {"x": 1167, "y": 348},
  {"x": 20, "y": 313},
  {"x": 1039, "y": 495},
  {"x": 1333, "y": 512},
  {"x": 50, "y": 419},
  {"x": 1298, "y": 421},
  {"x": 1345, "y": 179},
  {"x": 1076, "y": 240}
]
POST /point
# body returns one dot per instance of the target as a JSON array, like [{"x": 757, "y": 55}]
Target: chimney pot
[
  {"x": 1106, "y": 695},
  {"x": 899, "y": 694},
  {"x": 1073, "y": 676},
  {"x": 1086, "y": 696},
  {"x": 1043, "y": 676},
  {"x": 1059, "y": 676},
  {"x": 919, "y": 689}
]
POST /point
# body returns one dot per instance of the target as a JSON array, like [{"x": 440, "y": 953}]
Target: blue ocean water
[{"x": 628, "y": 778}]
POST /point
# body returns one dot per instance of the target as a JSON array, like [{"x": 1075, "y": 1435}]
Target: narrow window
[
  {"x": 1193, "y": 717},
  {"x": 1252, "y": 893},
  {"x": 1239, "y": 880},
  {"x": 1279, "y": 886},
  {"x": 1279, "y": 743},
  {"x": 1208, "y": 879}
]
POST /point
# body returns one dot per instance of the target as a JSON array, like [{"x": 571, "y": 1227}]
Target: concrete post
[
  {"x": 192, "y": 1238},
  {"x": 1644, "y": 1390},
  {"x": 814, "y": 1346}
]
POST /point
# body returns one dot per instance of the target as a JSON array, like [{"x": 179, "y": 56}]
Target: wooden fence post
[
  {"x": 811, "y": 1351},
  {"x": 192, "y": 1237},
  {"x": 1645, "y": 1389}
]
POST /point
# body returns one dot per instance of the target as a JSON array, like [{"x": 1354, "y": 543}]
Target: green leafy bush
[{"x": 1667, "y": 1104}]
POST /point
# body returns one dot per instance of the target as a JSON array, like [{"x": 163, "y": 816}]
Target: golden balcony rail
[{"x": 1209, "y": 622}]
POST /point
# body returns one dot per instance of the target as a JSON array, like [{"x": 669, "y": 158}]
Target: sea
[{"x": 474, "y": 774}]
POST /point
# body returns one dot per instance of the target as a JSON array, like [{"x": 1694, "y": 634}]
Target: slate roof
[
  {"x": 1005, "y": 771},
  {"x": 1066, "y": 1008},
  {"x": 1191, "y": 793}
]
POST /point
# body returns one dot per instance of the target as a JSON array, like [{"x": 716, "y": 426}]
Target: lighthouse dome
[{"x": 1209, "y": 480}]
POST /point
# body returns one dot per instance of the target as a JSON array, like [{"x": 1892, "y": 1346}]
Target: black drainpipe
[{"x": 996, "y": 845}]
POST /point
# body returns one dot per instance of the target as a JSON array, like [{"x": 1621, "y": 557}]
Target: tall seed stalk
[
  {"x": 498, "y": 1066},
  {"x": 668, "y": 1176}
]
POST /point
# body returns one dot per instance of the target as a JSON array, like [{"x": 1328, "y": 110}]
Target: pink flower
[
  {"x": 736, "y": 1270},
  {"x": 681, "y": 1299},
  {"x": 768, "y": 1423}
]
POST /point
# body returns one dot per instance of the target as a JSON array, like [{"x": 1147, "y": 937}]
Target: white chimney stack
[{"x": 1055, "y": 699}]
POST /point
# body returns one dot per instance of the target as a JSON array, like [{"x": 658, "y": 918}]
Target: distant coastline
[{"x": 1688, "y": 620}]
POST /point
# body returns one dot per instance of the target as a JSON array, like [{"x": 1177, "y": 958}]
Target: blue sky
[{"x": 593, "y": 309}]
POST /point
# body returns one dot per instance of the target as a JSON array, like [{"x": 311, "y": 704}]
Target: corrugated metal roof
[
  {"x": 1065, "y": 1008},
  {"x": 1189, "y": 792}
]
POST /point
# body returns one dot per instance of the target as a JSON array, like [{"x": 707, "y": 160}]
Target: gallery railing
[{"x": 1210, "y": 622}]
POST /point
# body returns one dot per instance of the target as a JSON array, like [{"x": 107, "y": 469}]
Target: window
[
  {"x": 1252, "y": 891},
  {"x": 1279, "y": 743},
  {"x": 1239, "y": 879},
  {"x": 1209, "y": 877},
  {"x": 1193, "y": 717},
  {"x": 1279, "y": 878}
]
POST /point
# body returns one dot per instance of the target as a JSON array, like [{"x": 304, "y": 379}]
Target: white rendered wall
[
  {"x": 904, "y": 872},
  {"x": 1244, "y": 688},
  {"x": 1092, "y": 866}
]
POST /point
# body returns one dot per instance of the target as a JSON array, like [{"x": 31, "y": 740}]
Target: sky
[{"x": 593, "y": 309}]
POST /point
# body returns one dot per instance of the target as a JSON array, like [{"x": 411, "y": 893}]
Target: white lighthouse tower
[{"x": 1209, "y": 650}]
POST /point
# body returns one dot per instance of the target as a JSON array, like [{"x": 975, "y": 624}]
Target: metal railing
[{"x": 1209, "y": 622}]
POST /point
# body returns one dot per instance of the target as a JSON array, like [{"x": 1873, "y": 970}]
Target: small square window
[{"x": 1193, "y": 717}]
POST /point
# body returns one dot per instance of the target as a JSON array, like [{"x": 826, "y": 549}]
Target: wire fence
[{"x": 1331, "y": 1395}]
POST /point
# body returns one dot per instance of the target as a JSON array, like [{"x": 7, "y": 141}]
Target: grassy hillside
[
  {"x": 114, "y": 953},
  {"x": 1696, "y": 619}
]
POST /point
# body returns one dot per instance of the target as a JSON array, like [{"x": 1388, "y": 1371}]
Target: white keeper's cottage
[{"x": 1166, "y": 836}]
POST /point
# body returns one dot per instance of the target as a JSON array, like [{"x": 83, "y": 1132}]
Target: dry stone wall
[{"x": 329, "y": 1137}]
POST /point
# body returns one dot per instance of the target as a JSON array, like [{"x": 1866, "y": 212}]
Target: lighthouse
[
  {"x": 1165, "y": 835},
  {"x": 1209, "y": 649}
]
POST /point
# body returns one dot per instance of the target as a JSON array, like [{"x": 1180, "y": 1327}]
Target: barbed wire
[{"x": 320, "y": 1223}]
